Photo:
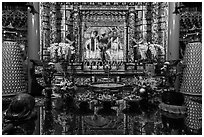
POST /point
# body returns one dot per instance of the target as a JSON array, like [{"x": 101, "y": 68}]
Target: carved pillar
[
  {"x": 173, "y": 33},
  {"x": 131, "y": 32},
  {"x": 149, "y": 19},
  {"x": 54, "y": 36},
  {"x": 155, "y": 23},
  {"x": 83, "y": 25},
  {"x": 76, "y": 32},
  {"x": 138, "y": 30},
  {"x": 45, "y": 30}
]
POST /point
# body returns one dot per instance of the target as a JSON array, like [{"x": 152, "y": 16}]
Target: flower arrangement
[
  {"x": 145, "y": 87},
  {"x": 61, "y": 51},
  {"x": 147, "y": 82},
  {"x": 149, "y": 51},
  {"x": 65, "y": 86}
]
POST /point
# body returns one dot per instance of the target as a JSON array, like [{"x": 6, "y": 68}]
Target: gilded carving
[
  {"x": 131, "y": 36},
  {"x": 134, "y": 20},
  {"x": 76, "y": 32}
]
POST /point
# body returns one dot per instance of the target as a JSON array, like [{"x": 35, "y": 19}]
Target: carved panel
[
  {"x": 17, "y": 18},
  {"x": 100, "y": 80},
  {"x": 76, "y": 32},
  {"x": 82, "y": 16},
  {"x": 106, "y": 16},
  {"x": 45, "y": 27},
  {"x": 110, "y": 23},
  {"x": 128, "y": 81},
  {"x": 82, "y": 81},
  {"x": 131, "y": 31}
]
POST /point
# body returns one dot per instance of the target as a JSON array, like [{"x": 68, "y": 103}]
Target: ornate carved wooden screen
[
  {"x": 103, "y": 30},
  {"x": 104, "y": 34}
]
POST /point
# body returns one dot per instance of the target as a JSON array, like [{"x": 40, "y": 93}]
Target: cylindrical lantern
[
  {"x": 192, "y": 75},
  {"x": 194, "y": 113},
  {"x": 191, "y": 85},
  {"x": 13, "y": 75}
]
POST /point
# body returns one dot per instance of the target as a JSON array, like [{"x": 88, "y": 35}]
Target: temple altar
[{"x": 116, "y": 68}]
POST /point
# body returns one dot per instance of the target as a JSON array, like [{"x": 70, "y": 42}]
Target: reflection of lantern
[{"x": 172, "y": 121}]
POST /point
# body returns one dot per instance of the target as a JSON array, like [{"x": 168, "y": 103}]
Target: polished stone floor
[
  {"x": 57, "y": 116},
  {"x": 64, "y": 115}
]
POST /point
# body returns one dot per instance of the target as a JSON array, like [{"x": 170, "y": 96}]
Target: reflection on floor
[
  {"x": 89, "y": 113},
  {"x": 95, "y": 117}
]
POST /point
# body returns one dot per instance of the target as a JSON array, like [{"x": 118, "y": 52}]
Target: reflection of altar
[
  {"x": 147, "y": 123},
  {"x": 56, "y": 122},
  {"x": 110, "y": 122},
  {"x": 102, "y": 124}
]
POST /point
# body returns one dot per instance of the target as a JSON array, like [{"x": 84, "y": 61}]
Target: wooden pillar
[
  {"x": 33, "y": 38},
  {"x": 173, "y": 33},
  {"x": 33, "y": 33}
]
